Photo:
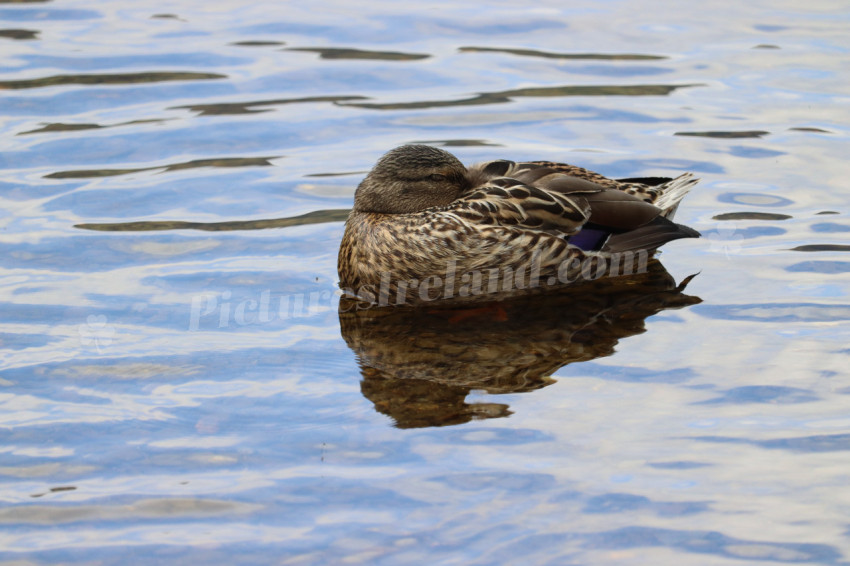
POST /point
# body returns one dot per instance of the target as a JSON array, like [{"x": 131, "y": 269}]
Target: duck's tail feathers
[
  {"x": 672, "y": 193},
  {"x": 648, "y": 237}
]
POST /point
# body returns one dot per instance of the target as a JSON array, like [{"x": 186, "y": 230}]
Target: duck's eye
[{"x": 436, "y": 177}]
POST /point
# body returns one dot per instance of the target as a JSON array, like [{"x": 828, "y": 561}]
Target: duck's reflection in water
[{"x": 419, "y": 365}]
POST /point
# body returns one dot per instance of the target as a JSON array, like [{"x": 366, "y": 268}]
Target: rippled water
[{"x": 178, "y": 386}]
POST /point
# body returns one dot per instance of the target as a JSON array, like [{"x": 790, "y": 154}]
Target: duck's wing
[
  {"x": 621, "y": 220},
  {"x": 663, "y": 192},
  {"x": 597, "y": 215},
  {"x": 504, "y": 201},
  {"x": 541, "y": 169},
  {"x": 600, "y": 204}
]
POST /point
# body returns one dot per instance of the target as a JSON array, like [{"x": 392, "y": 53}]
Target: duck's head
[{"x": 411, "y": 178}]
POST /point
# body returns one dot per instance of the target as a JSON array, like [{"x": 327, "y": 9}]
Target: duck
[{"x": 424, "y": 227}]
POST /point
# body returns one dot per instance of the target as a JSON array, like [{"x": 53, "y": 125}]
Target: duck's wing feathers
[
  {"x": 663, "y": 192},
  {"x": 619, "y": 221},
  {"x": 610, "y": 208},
  {"x": 505, "y": 201},
  {"x": 542, "y": 192},
  {"x": 598, "y": 213}
]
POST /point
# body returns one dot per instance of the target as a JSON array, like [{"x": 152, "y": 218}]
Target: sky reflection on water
[{"x": 158, "y": 159}]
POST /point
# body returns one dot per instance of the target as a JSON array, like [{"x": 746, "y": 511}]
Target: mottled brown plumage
[{"x": 424, "y": 227}]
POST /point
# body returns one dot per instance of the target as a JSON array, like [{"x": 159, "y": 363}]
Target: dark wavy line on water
[
  {"x": 249, "y": 107},
  {"x": 751, "y": 216},
  {"x": 348, "y": 53},
  {"x": 822, "y": 248},
  {"x": 167, "y": 17},
  {"x": 221, "y": 162},
  {"x": 61, "y": 127},
  {"x": 257, "y": 43},
  {"x": 20, "y": 34},
  {"x": 315, "y": 217},
  {"x": 343, "y": 174},
  {"x": 730, "y": 135},
  {"x": 508, "y": 95},
  {"x": 459, "y": 143},
  {"x": 808, "y": 129},
  {"x": 109, "y": 79},
  {"x": 551, "y": 55}
]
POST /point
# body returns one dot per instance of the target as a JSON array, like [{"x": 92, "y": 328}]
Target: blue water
[{"x": 176, "y": 384}]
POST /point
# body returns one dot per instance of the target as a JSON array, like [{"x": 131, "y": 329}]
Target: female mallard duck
[{"x": 424, "y": 227}]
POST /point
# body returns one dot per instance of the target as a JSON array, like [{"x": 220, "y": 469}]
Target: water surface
[{"x": 177, "y": 384}]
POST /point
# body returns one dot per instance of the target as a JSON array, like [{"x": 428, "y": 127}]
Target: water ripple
[
  {"x": 250, "y": 107},
  {"x": 508, "y": 95},
  {"x": 109, "y": 79},
  {"x": 314, "y": 217},
  {"x": 219, "y": 162},
  {"x": 348, "y": 53},
  {"x": 175, "y": 381},
  {"x": 551, "y": 55},
  {"x": 19, "y": 34}
]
